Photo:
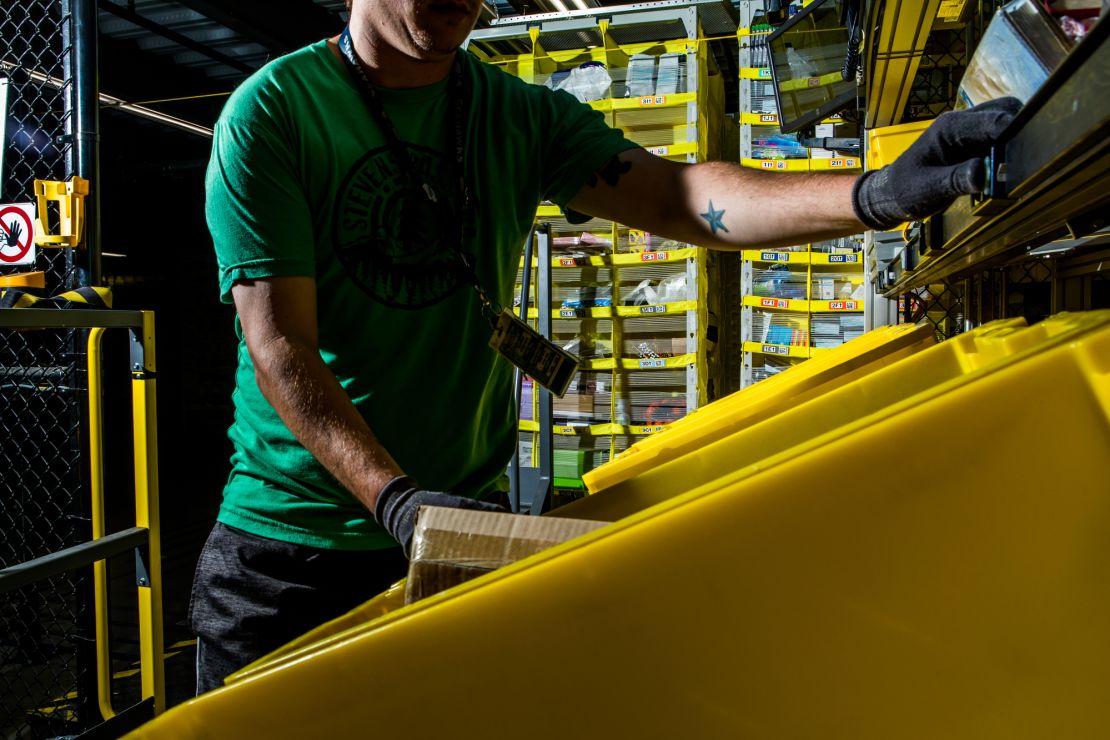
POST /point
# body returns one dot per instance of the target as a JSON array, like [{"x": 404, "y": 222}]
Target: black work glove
[
  {"x": 946, "y": 161},
  {"x": 398, "y": 501}
]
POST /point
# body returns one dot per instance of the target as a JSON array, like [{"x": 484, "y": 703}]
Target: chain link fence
[{"x": 44, "y": 628}]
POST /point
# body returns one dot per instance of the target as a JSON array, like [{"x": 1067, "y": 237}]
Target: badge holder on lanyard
[{"x": 539, "y": 358}]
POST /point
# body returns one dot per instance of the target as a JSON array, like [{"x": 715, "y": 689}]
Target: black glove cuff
[
  {"x": 861, "y": 204},
  {"x": 400, "y": 484}
]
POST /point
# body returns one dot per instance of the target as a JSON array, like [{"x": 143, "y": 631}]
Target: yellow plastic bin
[
  {"x": 886, "y": 144},
  {"x": 935, "y": 567},
  {"x": 747, "y": 438},
  {"x": 839, "y": 365}
]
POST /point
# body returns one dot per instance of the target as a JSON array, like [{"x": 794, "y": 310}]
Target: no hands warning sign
[{"x": 17, "y": 234}]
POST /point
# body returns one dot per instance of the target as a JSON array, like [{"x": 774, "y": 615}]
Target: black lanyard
[{"x": 458, "y": 104}]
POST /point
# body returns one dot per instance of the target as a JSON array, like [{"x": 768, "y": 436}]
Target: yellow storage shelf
[
  {"x": 763, "y": 255},
  {"x": 623, "y": 259},
  {"x": 777, "y": 165},
  {"x": 994, "y": 343},
  {"x": 596, "y": 430},
  {"x": 829, "y": 78},
  {"x": 657, "y": 309},
  {"x": 651, "y": 101},
  {"x": 829, "y": 369},
  {"x": 673, "y": 150},
  {"x": 778, "y": 304},
  {"x": 669, "y": 255},
  {"x": 760, "y": 119},
  {"x": 659, "y": 363},
  {"x": 647, "y": 363},
  {"x": 778, "y": 350},
  {"x": 834, "y": 163},
  {"x": 824, "y": 259},
  {"x": 608, "y": 312},
  {"x": 842, "y": 306},
  {"x": 755, "y": 73},
  {"x": 963, "y": 601}
]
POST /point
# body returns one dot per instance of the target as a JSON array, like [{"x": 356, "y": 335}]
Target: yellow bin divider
[
  {"x": 738, "y": 446},
  {"x": 959, "y": 592},
  {"x": 842, "y": 364}
]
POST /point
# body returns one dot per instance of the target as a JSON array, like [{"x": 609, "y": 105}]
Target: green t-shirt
[{"x": 301, "y": 183}]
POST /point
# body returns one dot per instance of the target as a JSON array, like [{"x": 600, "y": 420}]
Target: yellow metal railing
[{"x": 145, "y": 534}]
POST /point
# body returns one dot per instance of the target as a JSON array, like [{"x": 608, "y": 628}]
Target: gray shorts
[{"x": 251, "y": 595}]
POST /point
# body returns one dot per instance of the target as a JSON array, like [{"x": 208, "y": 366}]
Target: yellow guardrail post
[
  {"x": 96, "y": 488},
  {"x": 149, "y": 575}
]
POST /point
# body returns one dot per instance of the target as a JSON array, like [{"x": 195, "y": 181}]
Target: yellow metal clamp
[{"x": 70, "y": 197}]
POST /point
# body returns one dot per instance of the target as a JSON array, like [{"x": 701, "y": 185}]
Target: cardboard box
[{"x": 452, "y": 546}]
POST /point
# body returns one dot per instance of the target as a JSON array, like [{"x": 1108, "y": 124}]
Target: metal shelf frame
[{"x": 1050, "y": 177}]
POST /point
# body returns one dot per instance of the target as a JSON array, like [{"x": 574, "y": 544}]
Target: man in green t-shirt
[{"x": 368, "y": 197}]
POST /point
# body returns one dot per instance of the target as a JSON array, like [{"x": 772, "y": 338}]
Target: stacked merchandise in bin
[
  {"x": 635, "y": 308},
  {"x": 763, "y": 145},
  {"x": 798, "y": 301}
]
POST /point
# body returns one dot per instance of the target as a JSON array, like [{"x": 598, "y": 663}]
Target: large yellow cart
[{"x": 829, "y": 569}]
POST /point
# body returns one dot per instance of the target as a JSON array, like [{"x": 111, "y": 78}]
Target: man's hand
[
  {"x": 397, "y": 503},
  {"x": 945, "y": 162}
]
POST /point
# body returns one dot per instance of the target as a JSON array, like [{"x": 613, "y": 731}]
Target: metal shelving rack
[
  {"x": 781, "y": 293},
  {"x": 759, "y": 120},
  {"x": 1035, "y": 242},
  {"x": 639, "y": 310},
  {"x": 798, "y": 302}
]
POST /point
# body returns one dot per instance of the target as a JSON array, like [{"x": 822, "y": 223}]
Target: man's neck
[{"x": 389, "y": 67}]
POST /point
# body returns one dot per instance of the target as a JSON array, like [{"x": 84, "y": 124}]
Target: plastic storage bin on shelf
[
  {"x": 955, "y": 595},
  {"x": 641, "y": 307},
  {"x": 993, "y": 343},
  {"x": 780, "y": 393}
]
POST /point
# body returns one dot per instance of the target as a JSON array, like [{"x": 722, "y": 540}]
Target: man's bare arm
[
  {"x": 723, "y": 205},
  {"x": 278, "y": 316},
  {"x": 717, "y": 204}
]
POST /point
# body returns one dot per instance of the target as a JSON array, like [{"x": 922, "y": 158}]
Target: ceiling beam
[
  {"x": 134, "y": 75},
  {"x": 280, "y": 25},
  {"x": 143, "y": 22}
]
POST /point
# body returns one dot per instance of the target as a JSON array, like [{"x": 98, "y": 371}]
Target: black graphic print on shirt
[{"x": 393, "y": 242}]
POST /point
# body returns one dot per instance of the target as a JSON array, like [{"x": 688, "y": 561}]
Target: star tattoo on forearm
[{"x": 715, "y": 219}]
